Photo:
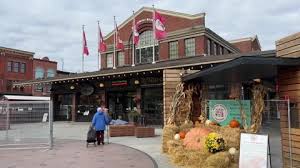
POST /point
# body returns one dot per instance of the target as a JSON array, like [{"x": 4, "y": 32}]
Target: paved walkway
[
  {"x": 74, "y": 154},
  {"x": 24, "y": 133}
]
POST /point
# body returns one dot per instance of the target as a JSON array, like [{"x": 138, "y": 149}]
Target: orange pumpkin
[
  {"x": 234, "y": 123},
  {"x": 182, "y": 134},
  {"x": 195, "y": 138}
]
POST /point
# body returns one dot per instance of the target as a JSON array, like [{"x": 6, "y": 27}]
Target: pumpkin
[
  {"x": 195, "y": 138},
  {"x": 234, "y": 123},
  {"x": 176, "y": 136},
  {"x": 182, "y": 134}
]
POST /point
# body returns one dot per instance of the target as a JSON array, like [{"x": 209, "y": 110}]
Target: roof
[
  {"x": 246, "y": 39},
  {"x": 162, "y": 11},
  {"x": 168, "y": 64},
  {"x": 16, "y": 50},
  {"x": 242, "y": 69},
  {"x": 32, "y": 98}
]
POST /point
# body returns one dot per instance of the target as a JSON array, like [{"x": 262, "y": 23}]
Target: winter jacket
[{"x": 100, "y": 120}]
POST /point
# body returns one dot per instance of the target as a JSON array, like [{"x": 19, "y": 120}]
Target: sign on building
[{"x": 223, "y": 111}]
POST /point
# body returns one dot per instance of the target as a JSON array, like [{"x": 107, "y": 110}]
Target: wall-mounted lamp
[
  {"x": 72, "y": 87},
  {"x": 136, "y": 82},
  {"x": 101, "y": 85}
]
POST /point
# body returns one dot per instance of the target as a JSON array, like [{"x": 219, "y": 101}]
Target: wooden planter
[
  {"x": 142, "y": 132},
  {"x": 121, "y": 130}
]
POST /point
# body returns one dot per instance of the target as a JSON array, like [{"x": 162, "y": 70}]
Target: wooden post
[{"x": 74, "y": 104}]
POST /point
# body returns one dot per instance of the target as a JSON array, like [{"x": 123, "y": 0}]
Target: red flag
[
  {"x": 136, "y": 34},
  {"x": 160, "y": 30},
  {"x": 85, "y": 49},
  {"x": 101, "y": 44},
  {"x": 119, "y": 42}
]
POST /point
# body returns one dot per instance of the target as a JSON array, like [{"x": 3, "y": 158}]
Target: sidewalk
[
  {"x": 151, "y": 146},
  {"x": 74, "y": 154}
]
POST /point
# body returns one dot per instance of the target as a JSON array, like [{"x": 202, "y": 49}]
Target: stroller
[{"x": 91, "y": 136}]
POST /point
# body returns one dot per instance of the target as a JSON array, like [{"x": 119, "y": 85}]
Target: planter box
[
  {"x": 142, "y": 132},
  {"x": 121, "y": 130}
]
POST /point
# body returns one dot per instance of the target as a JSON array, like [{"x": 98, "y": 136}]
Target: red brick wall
[
  {"x": 181, "y": 50},
  {"x": 164, "y": 51},
  {"x": 45, "y": 65},
  {"x": 200, "y": 45},
  {"x": 172, "y": 23},
  {"x": 255, "y": 45},
  {"x": 6, "y": 76},
  {"x": 247, "y": 46}
]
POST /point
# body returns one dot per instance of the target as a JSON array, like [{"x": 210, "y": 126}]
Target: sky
[{"x": 53, "y": 28}]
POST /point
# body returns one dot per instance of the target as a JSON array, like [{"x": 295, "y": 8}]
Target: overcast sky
[{"x": 53, "y": 27}]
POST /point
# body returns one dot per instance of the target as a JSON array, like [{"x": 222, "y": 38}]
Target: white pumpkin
[
  {"x": 177, "y": 137},
  {"x": 232, "y": 151},
  {"x": 208, "y": 122}
]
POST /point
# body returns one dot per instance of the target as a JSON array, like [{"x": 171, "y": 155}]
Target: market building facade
[{"x": 140, "y": 82}]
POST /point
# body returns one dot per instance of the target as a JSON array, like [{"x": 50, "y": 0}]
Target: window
[
  {"x": 39, "y": 88},
  {"x": 189, "y": 47},
  {"x": 215, "y": 49},
  {"x": 144, "y": 49},
  {"x": 121, "y": 59},
  {"x": 109, "y": 60},
  {"x": 208, "y": 46},
  {"x": 39, "y": 73},
  {"x": 50, "y": 73},
  {"x": 16, "y": 66},
  {"x": 173, "y": 49},
  {"x": 23, "y": 68},
  {"x": 9, "y": 66}
]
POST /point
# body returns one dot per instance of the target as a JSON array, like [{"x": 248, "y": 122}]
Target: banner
[{"x": 223, "y": 111}]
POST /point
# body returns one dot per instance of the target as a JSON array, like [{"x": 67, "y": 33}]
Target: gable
[{"x": 174, "y": 21}]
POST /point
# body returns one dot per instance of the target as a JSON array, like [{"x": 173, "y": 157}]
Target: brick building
[
  {"x": 187, "y": 36},
  {"x": 17, "y": 66},
  {"x": 146, "y": 86}
]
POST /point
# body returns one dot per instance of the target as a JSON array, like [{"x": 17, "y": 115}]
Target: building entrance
[{"x": 120, "y": 104}]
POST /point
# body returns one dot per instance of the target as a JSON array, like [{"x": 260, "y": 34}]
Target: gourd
[
  {"x": 195, "y": 138},
  {"x": 177, "y": 137},
  {"x": 234, "y": 123},
  {"x": 232, "y": 151}
]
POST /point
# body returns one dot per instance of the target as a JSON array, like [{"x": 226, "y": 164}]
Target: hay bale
[
  {"x": 231, "y": 137},
  {"x": 168, "y": 133},
  {"x": 218, "y": 160},
  {"x": 186, "y": 126}
]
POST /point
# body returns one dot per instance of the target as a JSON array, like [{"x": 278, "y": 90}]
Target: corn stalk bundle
[{"x": 258, "y": 94}]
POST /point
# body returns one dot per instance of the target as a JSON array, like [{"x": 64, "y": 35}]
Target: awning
[
  {"x": 242, "y": 69},
  {"x": 25, "y": 98}
]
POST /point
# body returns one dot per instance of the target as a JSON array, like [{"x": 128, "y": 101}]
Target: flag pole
[
  {"x": 82, "y": 50},
  {"x": 98, "y": 46},
  {"x": 153, "y": 26},
  {"x": 114, "y": 58},
  {"x": 133, "y": 34}
]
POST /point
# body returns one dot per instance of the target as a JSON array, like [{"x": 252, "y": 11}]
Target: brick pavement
[{"x": 74, "y": 154}]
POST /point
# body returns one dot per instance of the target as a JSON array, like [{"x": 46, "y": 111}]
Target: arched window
[
  {"x": 50, "y": 73},
  {"x": 144, "y": 49},
  {"x": 39, "y": 73}
]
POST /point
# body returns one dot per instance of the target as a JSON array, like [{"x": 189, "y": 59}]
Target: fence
[{"x": 26, "y": 124}]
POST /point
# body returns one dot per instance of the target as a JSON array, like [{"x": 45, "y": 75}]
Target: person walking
[{"x": 100, "y": 120}]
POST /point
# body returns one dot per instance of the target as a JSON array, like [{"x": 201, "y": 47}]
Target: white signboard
[
  {"x": 253, "y": 151},
  {"x": 45, "y": 116}
]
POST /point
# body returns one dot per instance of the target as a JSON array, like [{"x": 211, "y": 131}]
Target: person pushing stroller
[{"x": 99, "y": 122}]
